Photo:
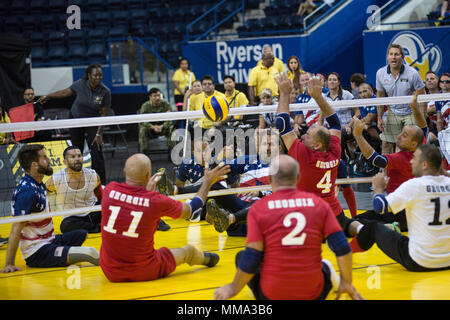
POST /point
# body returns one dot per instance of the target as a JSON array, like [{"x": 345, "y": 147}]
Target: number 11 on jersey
[{"x": 137, "y": 215}]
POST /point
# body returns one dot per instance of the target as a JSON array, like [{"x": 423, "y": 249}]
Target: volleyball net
[{"x": 11, "y": 172}]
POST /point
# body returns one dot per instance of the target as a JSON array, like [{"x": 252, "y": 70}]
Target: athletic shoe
[
  {"x": 213, "y": 259},
  {"x": 162, "y": 226},
  {"x": 218, "y": 216},
  {"x": 164, "y": 185},
  {"x": 3, "y": 241}
]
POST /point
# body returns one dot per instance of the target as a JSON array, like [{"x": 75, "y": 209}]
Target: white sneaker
[{"x": 334, "y": 277}]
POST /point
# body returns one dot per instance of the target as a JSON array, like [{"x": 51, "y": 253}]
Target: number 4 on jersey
[{"x": 325, "y": 182}]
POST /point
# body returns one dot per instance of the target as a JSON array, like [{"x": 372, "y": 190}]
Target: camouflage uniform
[{"x": 145, "y": 128}]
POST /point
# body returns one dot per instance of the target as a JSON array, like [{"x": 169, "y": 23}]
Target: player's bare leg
[{"x": 192, "y": 256}]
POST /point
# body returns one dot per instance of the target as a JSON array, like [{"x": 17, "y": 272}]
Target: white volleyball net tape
[{"x": 11, "y": 173}]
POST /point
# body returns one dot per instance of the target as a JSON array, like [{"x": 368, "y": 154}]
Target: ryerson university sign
[{"x": 237, "y": 60}]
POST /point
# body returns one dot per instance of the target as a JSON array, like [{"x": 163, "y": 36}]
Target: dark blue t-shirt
[
  {"x": 88, "y": 102},
  {"x": 29, "y": 197}
]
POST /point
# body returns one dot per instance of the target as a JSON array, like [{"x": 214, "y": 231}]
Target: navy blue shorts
[{"x": 54, "y": 254}]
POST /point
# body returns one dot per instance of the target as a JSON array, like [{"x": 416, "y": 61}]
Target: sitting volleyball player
[
  {"x": 76, "y": 187},
  {"x": 426, "y": 200},
  {"x": 39, "y": 246},
  {"x": 130, "y": 215},
  {"x": 282, "y": 259}
]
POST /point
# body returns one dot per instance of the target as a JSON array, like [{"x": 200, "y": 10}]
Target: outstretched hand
[
  {"x": 315, "y": 87},
  {"x": 284, "y": 83},
  {"x": 217, "y": 174}
]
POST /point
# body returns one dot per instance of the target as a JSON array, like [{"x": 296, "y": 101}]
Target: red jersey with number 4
[
  {"x": 398, "y": 169},
  {"x": 130, "y": 217},
  {"x": 319, "y": 170},
  {"x": 292, "y": 224}
]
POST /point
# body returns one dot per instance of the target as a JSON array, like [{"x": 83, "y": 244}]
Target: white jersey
[
  {"x": 427, "y": 204},
  {"x": 68, "y": 198}
]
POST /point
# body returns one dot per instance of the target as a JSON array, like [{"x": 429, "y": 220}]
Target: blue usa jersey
[
  {"x": 29, "y": 197},
  {"x": 193, "y": 172}
]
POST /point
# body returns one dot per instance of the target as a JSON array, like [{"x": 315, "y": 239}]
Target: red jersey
[
  {"x": 398, "y": 169},
  {"x": 130, "y": 216},
  {"x": 292, "y": 224},
  {"x": 319, "y": 170}
]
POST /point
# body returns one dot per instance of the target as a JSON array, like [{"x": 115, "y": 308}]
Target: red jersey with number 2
[
  {"x": 292, "y": 224},
  {"x": 130, "y": 217},
  {"x": 319, "y": 170}
]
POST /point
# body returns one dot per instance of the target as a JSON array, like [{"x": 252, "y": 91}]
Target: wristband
[{"x": 283, "y": 123}]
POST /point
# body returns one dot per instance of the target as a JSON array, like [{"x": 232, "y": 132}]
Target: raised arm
[
  {"x": 366, "y": 149},
  {"x": 419, "y": 118},
  {"x": 65, "y": 93},
  {"x": 283, "y": 117}
]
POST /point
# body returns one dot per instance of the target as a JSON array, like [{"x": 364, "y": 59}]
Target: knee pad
[{"x": 83, "y": 254}]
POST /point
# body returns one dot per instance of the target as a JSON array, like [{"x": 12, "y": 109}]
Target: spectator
[
  {"x": 181, "y": 80},
  {"x": 302, "y": 122},
  {"x": 306, "y": 7},
  {"x": 443, "y": 107},
  {"x": 266, "y": 119},
  {"x": 396, "y": 79},
  {"x": 262, "y": 77},
  {"x": 39, "y": 246},
  {"x": 235, "y": 98},
  {"x": 39, "y": 135},
  {"x": 277, "y": 63},
  {"x": 294, "y": 70},
  {"x": 76, "y": 187},
  {"x": 445, "y": 10},
  {"x": 93, "y": 99},
  {"x": 153, "y": 129},
  {"x": 267, "y": 267},
  {"x": 355, "y": 80},
  {"x": 5, "y": 137}
]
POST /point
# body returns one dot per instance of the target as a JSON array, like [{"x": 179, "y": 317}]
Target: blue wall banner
[
  {"x": 428, "y": 48},
  {"x": 237, "y": 57}
]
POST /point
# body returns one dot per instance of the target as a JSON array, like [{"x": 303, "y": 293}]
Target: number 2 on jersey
[
  {"x": 325, "y": 182},
  {"x": 137, "y": 215},
  {"x": 294, "y": 238}
]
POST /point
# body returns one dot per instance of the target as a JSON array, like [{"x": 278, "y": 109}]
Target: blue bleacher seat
[
  {"x": 38, "y": 39},
  {"x": 58, "y": 6},
  {"x": 38, "y": 54},
  {"x": 116, "y": 5},
  {"x": 81, "y": 3},
  {"x": 102, "y": 19},
  {"x": 118, "y": 32},
  {"x": 39, "y": 6},
  {"x": 77, "y": 37},
  {"x": 19, "y": 7},
  {"x": 57, "y": 54},
  {"x": 30, "y": 23},
  {"x": 136, "y": 4},
  {"x": 96, "y": 5},
  {"x": 47, "y": 23},
  {"x": 88, "y": 20},
  {"x": 120, "y": 18},
  {"x": 56, "y": 39},
  {"x": 13, "y": 25},
  {"x": 5, "y": 8},
  {"x": 138, "y": 17},
  {"x": 97, "y": 36},
  {"x": 97, "y": 51},
  {"x": 77, "y": 53}
]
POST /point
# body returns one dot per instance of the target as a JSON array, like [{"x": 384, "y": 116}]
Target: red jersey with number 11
[
  {"x": 130, "y": 217},
  {"x": 319, "y": 170}
]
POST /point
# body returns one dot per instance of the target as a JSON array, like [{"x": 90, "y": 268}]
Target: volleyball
[{"x": 216, "y": 108}]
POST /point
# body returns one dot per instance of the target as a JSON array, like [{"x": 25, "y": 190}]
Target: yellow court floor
[{"x": 374, "y": 275}]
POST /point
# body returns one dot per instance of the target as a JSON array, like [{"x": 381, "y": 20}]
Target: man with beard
[
  {"x": 39, "y": 246},
  {"x": 76, "y": 187}
]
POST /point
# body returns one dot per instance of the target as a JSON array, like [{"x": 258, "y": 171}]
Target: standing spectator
[
  {"x": 5, "y": 137},
  {"x": 294, "y": 70},
  {"x": 443, "y": 107},
  {"x": 235, "y": 98},
  {"x": 355, "y": 80},
  {"x": 266, "y": 119},
  {"x": 39, "y": 246},
  {"x": 271, "y": 255},
  {"x": 306, "y": 7},
  {"x": 93, "y": 99},
  {"x": 128, "y": 227},
  {"x": 262, "y": 77},
  {"x": 151, "y": 129},
  {"x": 277, "y": 63},
  {"x": 76, "y": 187},
  {"x": 181, "y": 80},
  {"x": 396, "y": 79},
  {"x": 425, "y": 199}
]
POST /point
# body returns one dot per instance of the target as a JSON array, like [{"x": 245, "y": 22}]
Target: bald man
[
  {"x": 130, "y": 215},
  {"x": 285, "y": 232}
]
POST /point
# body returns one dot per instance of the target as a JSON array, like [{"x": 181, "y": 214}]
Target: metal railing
[{"x": 217, "y": 24}]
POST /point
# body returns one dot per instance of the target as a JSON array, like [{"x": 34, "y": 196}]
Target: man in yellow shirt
[
  {"x": 196, "y": 103},
  {"x": 277, "y": 63},
  {"x": 235, "y": 98},
  {"x": 262, "y": 77}
]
